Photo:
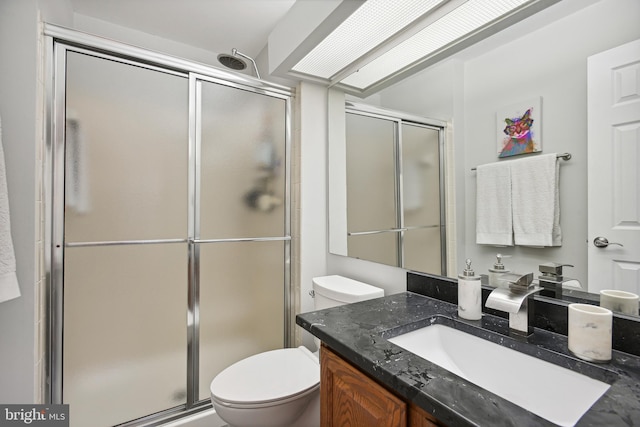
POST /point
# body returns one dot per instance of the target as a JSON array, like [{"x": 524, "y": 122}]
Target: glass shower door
[
  {"x": 372, "y": 218},
  {"x": 170, "y": 232},
  {"x": 242, "y": 230},
  {"x": 421, "y": 198},
  {"x": 125, "y": 240}
]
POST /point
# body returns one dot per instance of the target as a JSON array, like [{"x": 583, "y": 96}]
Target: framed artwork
[{"x": 518, "y": 128}]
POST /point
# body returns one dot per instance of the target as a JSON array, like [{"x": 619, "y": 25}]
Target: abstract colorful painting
[{"x": 518, "y": 128}]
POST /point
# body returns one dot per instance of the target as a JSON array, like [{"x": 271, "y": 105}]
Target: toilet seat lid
[{"x": 266, "y": 377}]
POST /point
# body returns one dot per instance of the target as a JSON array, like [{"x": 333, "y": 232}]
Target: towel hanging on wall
[
  {"x": 494, "y": 222},
  {"x": 9, "y": 288},
  {"x": 536, "y": 201},
  {"x": 518, "y": 202}
]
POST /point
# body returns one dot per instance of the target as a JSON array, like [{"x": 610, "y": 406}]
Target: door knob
[{"x": 602, "y": 242}]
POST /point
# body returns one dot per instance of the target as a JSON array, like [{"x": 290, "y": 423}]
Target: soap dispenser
[
  {"x": 469, "y": 294},
  {"x": 497, "y": 271}
]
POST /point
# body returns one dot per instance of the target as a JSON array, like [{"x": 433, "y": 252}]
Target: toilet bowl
[
  {"x": 270, "y": 389},
  {"x": 281, "y": 388}
]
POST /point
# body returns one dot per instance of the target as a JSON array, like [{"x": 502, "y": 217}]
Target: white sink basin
[{"x": 554, "y": 393}]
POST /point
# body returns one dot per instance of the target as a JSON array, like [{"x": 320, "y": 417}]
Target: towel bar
[{"x": 563, "y": 156}]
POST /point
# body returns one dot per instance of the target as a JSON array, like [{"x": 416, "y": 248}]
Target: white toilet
[{"x": 281, "y": 388}]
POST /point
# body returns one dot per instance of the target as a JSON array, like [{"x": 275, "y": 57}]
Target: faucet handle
[
  {"x": 517, "y": 281},
  {"x": 552, "y": 269}
]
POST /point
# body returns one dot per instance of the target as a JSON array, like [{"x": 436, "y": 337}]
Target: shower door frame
[{"x": 59, "y": 41}]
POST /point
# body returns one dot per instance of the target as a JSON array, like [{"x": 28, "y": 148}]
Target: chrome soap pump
[
  {"x": 497, "y": 271},
  {"x": 469, "y": 294}
]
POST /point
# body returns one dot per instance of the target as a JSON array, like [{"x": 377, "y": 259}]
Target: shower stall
[{"x": 169, "y": 227}]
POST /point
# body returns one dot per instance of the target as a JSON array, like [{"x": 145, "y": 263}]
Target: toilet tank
[{"x": 332, "y": 291}]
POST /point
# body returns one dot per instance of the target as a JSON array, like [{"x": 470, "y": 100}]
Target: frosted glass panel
[
  {"x": 382, "y": 247},
  {"x": 421, "y": 198},
  {"x": 241, "y": 304},
  {"x": 242, "y": 184},
  {"x": 422, "y": 250},
  {"x": 124, "y": 340},
  {"x": 421, "y": 176},
  {"x": 126, "y": 152},
  {"x": 370, "y": 174}
]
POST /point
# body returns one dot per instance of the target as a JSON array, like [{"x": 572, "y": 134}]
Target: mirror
[
  {"x": 391, "y": 166},
  {"x": 545, "y": 57}
]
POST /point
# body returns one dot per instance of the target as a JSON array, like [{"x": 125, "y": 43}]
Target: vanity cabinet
[{"x": 348, "y": 397}]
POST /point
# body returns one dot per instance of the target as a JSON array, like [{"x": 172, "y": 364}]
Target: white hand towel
[
  {"x": 536, "y": 201},
  {"x": 9, "y": 288},
  {"x": 493, "y": 205}
]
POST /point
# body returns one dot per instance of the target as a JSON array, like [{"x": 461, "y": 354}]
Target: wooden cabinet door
[
  {"x": 419, "y": 418},
  {"x": 349, "y": 398}
]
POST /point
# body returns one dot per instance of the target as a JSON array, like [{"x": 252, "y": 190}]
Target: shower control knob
[{"x": 603, "y": 242}]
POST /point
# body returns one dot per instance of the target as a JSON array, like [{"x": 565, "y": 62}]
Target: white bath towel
[
  {"x": 9, "y": 288},
  {"x": 536, "y": 201},
  {"x": 493, "y": 205}
]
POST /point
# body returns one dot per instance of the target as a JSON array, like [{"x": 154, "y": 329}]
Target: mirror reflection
[
  {"x": 557, "y": 57},
  {"x": 394, "y": 202}
]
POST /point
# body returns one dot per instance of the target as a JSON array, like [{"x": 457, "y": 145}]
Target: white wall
[
  {"x": 138, "y": 38},
  {"x": 311, "y": 186},
  {"x": 18, "y": 58}
]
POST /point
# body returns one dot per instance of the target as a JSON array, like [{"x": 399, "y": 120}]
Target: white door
[{"x": 614, "y": 178}]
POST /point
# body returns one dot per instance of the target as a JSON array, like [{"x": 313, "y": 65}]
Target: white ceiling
[{"x": 215, "y": 25}]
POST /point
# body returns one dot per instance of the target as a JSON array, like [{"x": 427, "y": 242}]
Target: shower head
[{"x": 232, "y": 61}]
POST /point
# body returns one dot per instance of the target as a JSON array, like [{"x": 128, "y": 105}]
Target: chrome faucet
[
  {"x": 515, "y": 296},
  {"x": 551, "y": 279}
]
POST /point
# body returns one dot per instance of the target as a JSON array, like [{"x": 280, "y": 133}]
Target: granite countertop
[{"x": 359, "y": 333}]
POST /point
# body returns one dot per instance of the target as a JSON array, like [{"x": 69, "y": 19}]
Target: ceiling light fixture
[
  {"x": 383, "y": 41},
  {"x": 370, "y": 25}
]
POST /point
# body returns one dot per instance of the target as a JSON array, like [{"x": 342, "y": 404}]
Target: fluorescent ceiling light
[
  {"x": 369, "y": 26},
  {"x": 460, "y": 22},
  {"x": 385, "y": 38}
]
